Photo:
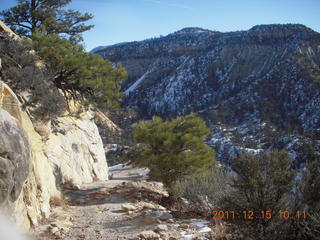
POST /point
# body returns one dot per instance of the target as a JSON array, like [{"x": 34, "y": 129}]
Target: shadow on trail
[
  {"x": 94, "y": 196},
  {"x": 99, "y": 193}
]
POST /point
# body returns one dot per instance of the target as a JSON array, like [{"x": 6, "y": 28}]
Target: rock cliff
[
  {"x": 33, "y": 169},
  {"x": 37, "y": 158}
]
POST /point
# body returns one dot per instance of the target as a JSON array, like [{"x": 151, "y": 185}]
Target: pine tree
[
  {"x": 46, "y": 16},
  {"x": 173, "y": 149},
  {"x": 81, "y": 74}
]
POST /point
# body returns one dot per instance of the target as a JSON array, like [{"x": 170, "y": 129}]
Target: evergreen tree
[
  {"x": 173, "y": 149},
  {"x": 79, "y": 73},
  {"x": 47, "y": 16}
]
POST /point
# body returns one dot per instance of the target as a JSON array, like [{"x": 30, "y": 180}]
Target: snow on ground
[
  {"x": 205, "y": 229},
  {"x": 200, "y": 224},
  {"x": 135, "y": 84},
  {"x": 119, "y": 167}
]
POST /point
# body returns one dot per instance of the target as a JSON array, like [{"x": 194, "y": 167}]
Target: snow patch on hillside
[{"x": 136, "y": 84}]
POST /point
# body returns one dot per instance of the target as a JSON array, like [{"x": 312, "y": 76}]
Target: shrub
[
  {"x": 308, "y": 197},
  {"x": 204, "y": 192},
  {"x": 22, "y": 70},
  {"x": 310, "y": 186},
  {"x": 308, "y": 229},
  {"x": 173, "y": 149},
  {"x": 262, "y": 183}
]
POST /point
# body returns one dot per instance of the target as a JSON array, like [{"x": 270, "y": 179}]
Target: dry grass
[
  {"x": 69, "y": 184},
  {"x": 57, "y": 202},
  {"x": 226, "y": 231},
  {"x": 205, "y": 191},
  {"x": 219, "y": 230}
]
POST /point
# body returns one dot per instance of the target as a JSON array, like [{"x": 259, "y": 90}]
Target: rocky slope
[
  {"x": 38, "y": 158},
  {"x": 256, "y": 88}
]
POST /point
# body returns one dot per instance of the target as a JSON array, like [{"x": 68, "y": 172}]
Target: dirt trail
[
  {"x": 100, "y": 216},
  {"x": 96, "y": 211}
]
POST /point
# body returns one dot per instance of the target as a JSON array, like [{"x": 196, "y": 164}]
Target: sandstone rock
[
  {"x": 4, "y": 28},
  {"x": 32, "y": 214},
  {"x": 184, "y": 226},
  {"x": 146, "y": 205},
  {"x": 31, "y": 169},
  {"x": 32, "y": 203},
  {"x": 43, "y": 128},
  {"x": 64, "y": 226},
  {"x": 54, "y": 230},
  {"x": 64, "y": 218},
  {"x": 161, "y": 228},
  {"x": 130, "y": 212},
  {"x": 77, "y": 153},
  {"x": 128, "y": 207},
  {"x": 14, "y": 157},
  {"x": 150, "y": 235},
  {"x": 6, "y": 179}
]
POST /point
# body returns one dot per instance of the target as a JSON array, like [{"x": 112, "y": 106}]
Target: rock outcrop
[
  {"x": 37, "y": 158},
  {"x": 36, "y": 178},
  {"x": 76, "y": 151},
  {"x": 33, "y": 169},
  {"x": 14, "y": 157}
]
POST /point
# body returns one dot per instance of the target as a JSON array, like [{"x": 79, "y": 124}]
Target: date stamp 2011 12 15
[{"x": 251, "y": 215}]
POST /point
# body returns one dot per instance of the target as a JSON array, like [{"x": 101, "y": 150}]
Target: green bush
[
  {"x": 173, "y": 149},
  {"x": 261, "y": 183}
]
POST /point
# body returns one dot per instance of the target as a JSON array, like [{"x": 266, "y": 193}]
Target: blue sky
[{"x": 128, "y": 20}]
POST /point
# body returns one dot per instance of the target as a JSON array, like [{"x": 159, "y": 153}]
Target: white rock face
[
  {"x": 40, "y": 185},
  {"x": 76, "y": 151},
  {"x": 73, "y": 151}
]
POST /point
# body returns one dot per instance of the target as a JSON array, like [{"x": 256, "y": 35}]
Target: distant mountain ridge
[
  {"x": 102, "y": 47},
  {"x": 268, "y": 75}
]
